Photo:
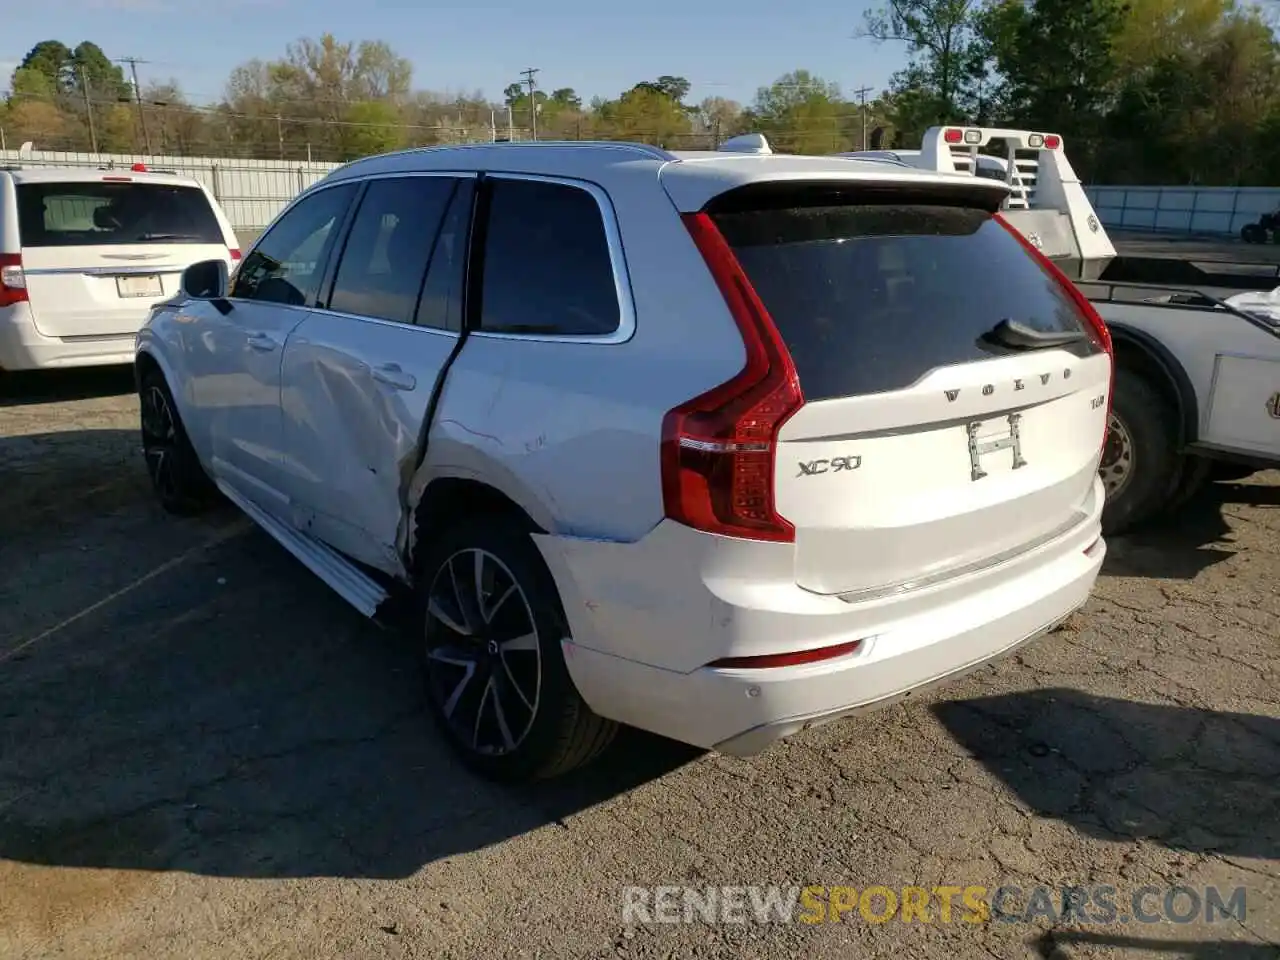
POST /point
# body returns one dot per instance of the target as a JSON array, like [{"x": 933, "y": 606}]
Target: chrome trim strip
[
  {"x": 149, "y": 269},
  {"x": 621, "y": 279},
  {"x": 384, "y": 322},
  {"x": 954, "y": 573}
]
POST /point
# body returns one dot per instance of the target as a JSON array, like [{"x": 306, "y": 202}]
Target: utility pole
[
  {"x": 862, "y": 96},
  {"x": 528, "y": 74},
  {"x": 280, "y": 134},
  {"x": 88, "y": 107},
  {"x": 137, "y": 99}
]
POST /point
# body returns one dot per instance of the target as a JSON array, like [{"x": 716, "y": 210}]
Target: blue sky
[{"x": 724, "y": 47}]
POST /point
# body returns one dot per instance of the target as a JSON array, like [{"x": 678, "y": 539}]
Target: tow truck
[{"x": 1197, "y": 343}]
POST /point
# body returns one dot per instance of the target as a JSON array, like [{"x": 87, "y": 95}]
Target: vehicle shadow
[
  {"x": 1197, "y": 536},
  {"x": 1187, "y": 778},
  {"x": 233, "y": 717},
  {"x": 55, "y": 480},
  {"x": 1051, "y": 946},
  {"x": 55, "y": 386}
]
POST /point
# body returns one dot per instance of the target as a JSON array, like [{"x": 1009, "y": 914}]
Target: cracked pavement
[{"x": 206, "y": 753}]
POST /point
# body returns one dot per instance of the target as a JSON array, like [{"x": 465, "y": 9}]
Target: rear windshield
[
  {"x": 872, "y": 297},
  {"x": 93, "y": 213}
]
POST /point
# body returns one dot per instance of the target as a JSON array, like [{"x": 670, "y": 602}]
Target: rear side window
[
  {"x": 98, "y": 212},
  {"x": 385, "y": 259},
  {"x": 547, "y": 267},
  {"x": 872, "y": 297}
]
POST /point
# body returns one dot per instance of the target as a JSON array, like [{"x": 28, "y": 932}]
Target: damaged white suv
[{"x": 719, "y": 445}]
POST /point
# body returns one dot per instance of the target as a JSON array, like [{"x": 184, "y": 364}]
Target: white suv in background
[
  {"x": 718, "y": 445},
  {"x": 84, "y": 254}
]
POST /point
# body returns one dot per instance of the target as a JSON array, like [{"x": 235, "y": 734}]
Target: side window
[
  {"x": 286, "y": 265},
  {"x": 546, "y": 262},
  {"x": 441, "y": 302},
  {"x": 386, "y": 254}
]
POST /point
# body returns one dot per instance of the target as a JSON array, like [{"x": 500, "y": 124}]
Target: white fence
[
  {"x": 250, "y": 191},
  {"x": 253, "y": 191},
  {"x": 1207, "y": 210}
]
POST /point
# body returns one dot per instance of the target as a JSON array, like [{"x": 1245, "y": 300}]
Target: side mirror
[{"x": 206, "y": 280}]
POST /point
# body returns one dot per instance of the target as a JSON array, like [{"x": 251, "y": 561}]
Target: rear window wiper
[{"x": 1018, "y": 336}]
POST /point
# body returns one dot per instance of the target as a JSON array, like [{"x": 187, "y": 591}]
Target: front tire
[
  {"x": 177, "y": 477},
  {"x": 1140, "y": 465},
  {"x": 497, "y": 684}
]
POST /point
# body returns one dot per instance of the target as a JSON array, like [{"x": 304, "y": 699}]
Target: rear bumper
[
  {"x": 645, "y": 627},
  {"x": 23, "y": 347}
]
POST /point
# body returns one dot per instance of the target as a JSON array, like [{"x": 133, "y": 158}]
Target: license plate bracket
[{"x": 145, "y": 285}]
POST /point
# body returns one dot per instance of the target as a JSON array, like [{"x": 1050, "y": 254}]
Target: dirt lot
[{"x": 205, "y": 753}]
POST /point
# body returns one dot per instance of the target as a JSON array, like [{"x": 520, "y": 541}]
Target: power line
[
  {"x": 861, "y": 94},
  {"x": 137, "y": 97},
  {"x": 528, "y": 74}
]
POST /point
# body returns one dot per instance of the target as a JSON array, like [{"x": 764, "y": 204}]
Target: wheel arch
[
  {"x": 1142, "y": 354},
  {"x": 447, "y": 497}
]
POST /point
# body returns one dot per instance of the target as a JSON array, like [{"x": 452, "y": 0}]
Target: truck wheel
[
  {"x": 1252, "y": 233},
  {"x": 1191, "y": 480},
  {"x": 1140, "y": 463},
  {"x": 497, "y": 683},
  {"x": 178, "y": 479}
]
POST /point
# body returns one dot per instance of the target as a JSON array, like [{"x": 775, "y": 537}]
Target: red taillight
[
  {"x": 1052, "y": 141},
  {"x": 235, "y": 254},
  {"x": 1098, "y": 326},
  {"x": 774, "y": 660},
  {"x": 953, "y": 136},
  {"x": 718, "y": 449},
  {"x": 13, "y": 282}
]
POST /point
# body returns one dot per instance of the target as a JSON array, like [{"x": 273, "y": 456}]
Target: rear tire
[
  {"x": 177, "y": 477},
  {"x": 497, "y": 683},
  {"x": 1140, "y": 465}
]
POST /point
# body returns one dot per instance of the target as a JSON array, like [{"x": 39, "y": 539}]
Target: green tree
[
  {"x": 370, "y": 127},
  {"x": 51, "y": 59},
  {"x": 946, "y": 60},
  {"x": 106, "y": 80},
  {"x": 801, "y": 113},
  {"x": 1055, "y": 57},
  {"x": 675, "y": 88},
  {"x": 643, "y": 114}
]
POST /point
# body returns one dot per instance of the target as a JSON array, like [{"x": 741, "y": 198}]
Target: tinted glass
[
  {"x": 286, "y": 264},
  {"x": 386, "y": 254},
  {"x": 872, "y": 297},
  {"x": 546, "y": 262},
  {"x": 86, "y": 214},
  {"x": 441, "y": 302}
]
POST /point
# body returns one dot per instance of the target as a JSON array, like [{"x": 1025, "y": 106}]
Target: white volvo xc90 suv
[{"x": 719, "y": 445}]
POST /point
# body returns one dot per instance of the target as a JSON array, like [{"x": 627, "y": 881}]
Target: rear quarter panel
[{"x": 571, "y": 431}]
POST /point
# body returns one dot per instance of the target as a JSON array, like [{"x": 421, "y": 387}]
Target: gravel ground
[{"x": 206, "y": 753}]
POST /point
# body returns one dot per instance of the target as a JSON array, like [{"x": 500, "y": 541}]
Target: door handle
[
  {"x": 260, "y": 341},
  {"x": 393, "y": 376}
]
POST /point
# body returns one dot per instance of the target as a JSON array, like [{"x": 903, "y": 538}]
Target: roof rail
[{"x": 647, "y": 149}]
